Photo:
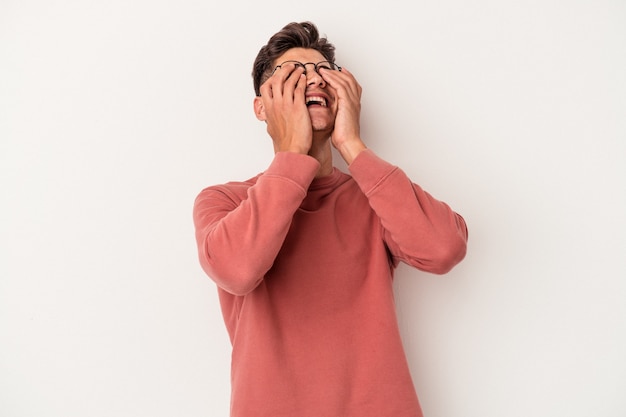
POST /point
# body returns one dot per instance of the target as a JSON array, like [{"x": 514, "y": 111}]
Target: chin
[
  {"x": 321, "y": 125},
  {"x": 322, "y": 129}
]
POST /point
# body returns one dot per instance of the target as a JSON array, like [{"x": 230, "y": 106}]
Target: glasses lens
[
  {"x": 326, "y": 65},
  {"x": 297, "y": 65},
  {"x": 320, "y": 65}
]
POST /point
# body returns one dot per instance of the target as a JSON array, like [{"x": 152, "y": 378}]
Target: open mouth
[{"x": 315, "y": 101}]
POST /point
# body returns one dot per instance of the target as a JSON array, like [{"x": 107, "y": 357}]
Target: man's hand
[
  {"x": 286, "y": 114},
  {"x": 346, "y": 136}
]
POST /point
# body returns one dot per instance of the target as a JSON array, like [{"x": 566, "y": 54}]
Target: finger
[
  {"x": 280, "y": 77},
  {"x": 273, "y": 86},
  {"x": 344, "y": 81},
  {"x": 300, "y": 89},
  {"x": 266, "y": 90},
  {"x": 292, "y": 81},
  {"x": 337, "y": 79}
]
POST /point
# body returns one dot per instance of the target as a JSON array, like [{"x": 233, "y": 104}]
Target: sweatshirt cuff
[
  {"x": 299, "y": 168},
  {"x": 368, "y": 170}
]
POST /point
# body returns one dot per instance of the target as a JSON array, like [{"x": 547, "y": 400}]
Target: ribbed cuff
[
  {"x": 296, "y": 167},
  {"x": 368, "y": 170}
]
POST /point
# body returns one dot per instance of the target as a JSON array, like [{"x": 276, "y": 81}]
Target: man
[{"x": 303, "y": 254}]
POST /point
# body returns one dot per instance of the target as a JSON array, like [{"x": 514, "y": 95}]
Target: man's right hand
[{"x": 282, "y": 107}]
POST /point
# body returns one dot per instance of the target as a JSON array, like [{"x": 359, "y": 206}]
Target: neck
[{"x": 321, "y": 151}]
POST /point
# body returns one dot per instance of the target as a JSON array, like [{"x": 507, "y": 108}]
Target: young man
[{"x": 303, "y": 254}]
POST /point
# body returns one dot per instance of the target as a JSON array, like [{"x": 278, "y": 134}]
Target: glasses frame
[{"x": 316, "y": 66}]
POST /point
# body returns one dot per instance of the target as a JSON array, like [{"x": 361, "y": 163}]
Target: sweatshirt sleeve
[
  {"x": 239, "y": 239},
  {"x": 419, "y": 230}
]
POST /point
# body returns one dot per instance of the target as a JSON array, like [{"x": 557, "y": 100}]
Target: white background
[{"x": 115, "y": 114}]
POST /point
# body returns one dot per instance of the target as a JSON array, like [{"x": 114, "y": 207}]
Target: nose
[{"x": 313, "y": 78}]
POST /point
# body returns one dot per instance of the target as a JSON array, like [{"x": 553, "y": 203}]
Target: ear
[{"x": 259, "y": 109}]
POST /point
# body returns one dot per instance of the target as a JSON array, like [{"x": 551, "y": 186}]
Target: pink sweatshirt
[{"x": 304, "y": 271}]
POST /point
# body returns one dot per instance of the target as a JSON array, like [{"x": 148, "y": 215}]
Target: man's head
[{"x": 293, "y": 35}]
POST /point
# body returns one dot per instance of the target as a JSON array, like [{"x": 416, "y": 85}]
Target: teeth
[{"x": 316, "y": 100}]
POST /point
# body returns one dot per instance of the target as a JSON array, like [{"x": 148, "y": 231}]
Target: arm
[
  {"x": 238, "y": 239},
  {"x": 419, "y": 230}
]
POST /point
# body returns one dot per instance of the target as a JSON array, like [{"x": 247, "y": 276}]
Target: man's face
[{"x": 319, "y": 96}]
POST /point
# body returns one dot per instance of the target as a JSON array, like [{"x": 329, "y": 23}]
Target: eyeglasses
[{"x": 320, "y": 65}]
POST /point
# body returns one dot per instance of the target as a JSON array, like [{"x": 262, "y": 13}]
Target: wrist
[
  {"x": 350, "y": 149},
  {"x": 293, "y": 148}
]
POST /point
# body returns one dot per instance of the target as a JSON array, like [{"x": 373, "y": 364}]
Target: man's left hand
[{"x": 346, "y": 136}]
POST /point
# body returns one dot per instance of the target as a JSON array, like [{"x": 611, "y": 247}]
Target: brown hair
[{"x": 293, "y": 35}]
